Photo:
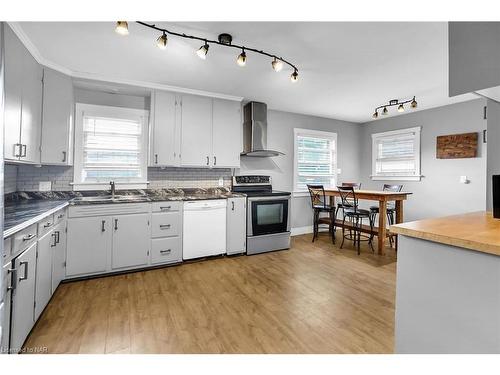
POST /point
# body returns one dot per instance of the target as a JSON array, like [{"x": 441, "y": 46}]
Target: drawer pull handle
[
  {"x": 168, "y": 251},
  {"x": 29, "y": 237},
  {"x": 49, "y": 224},
  {"x": 60, "y": 216},
  {"x": 25, "y": 277},
  {"x": 165, "y": 226},
  {"x": 165, "y": 208}
]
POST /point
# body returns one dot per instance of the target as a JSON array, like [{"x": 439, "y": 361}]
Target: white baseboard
[{"x": 301, "y": 230}]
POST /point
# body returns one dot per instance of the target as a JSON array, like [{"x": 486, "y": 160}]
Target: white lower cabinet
[
  {"x": 236, "y": 225},
  {"x": 88, "y": 246},
  {"x": 23, "y": 296},
  {"x": 130, "y": 240},
  {"x": 166, "y": 250},
  {"x": 59, "y": 255},
  {"x": 43, "y": 286}
]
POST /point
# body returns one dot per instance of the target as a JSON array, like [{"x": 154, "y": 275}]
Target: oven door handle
[{"x": 271, "y": 198}]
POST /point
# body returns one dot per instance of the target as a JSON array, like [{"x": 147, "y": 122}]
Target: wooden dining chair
[{"x": 320, "y": 205}]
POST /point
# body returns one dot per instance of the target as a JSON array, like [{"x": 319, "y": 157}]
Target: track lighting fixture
[
  {"x": 224, "y": 40},
  {"x": 122, "y": 27},
  {"x": 202, "y": 51},
  {"x": 161, "y": 42},
  {"x": 242, "y": 58},
  {"x": 395, "y": 102},
  {"x": 277, "y": 65}
]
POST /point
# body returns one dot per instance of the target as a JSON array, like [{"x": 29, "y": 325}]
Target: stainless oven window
[{"x": 269, "y": 216}]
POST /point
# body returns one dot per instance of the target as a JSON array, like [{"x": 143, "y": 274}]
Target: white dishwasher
[{"x": 204, "y": 228}]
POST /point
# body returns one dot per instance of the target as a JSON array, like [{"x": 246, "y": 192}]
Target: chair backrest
[
  {"x": 318, "y": 196},
  {"x": 393, "y": 188},
  {"x": 355, "y": 185},
  {"x": 348, "y": 196}
]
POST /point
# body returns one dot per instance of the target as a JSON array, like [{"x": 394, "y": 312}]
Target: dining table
[{"x": 382, "y": 197}]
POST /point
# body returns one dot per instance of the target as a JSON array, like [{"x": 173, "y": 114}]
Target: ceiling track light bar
[
  {"x": 226, "y": 41},
  {"x": 395, "y": 102}
]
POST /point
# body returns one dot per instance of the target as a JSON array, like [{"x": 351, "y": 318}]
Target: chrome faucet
[{"x": 113, "y": 188}]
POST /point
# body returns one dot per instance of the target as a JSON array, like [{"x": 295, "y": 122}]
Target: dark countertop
[
  {"x": 25, "y": 208},
  {"x": 21, "y": 214}
]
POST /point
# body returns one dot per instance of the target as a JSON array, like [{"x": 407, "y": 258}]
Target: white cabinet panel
[
  {"x": 43, "y": 288},
  {"x": 196, "y": 140},
  {"x": 165, "y": 132},
  {"x": 13, "y": 94},
  {"x": 131, "y": 239},
  {"x": 23, "y": 297},
  {"x": 59, "y": 256},
  {"x": 227, "y": 134},
  {"x": 57, "y": 118},
  {"x": 236, "y": 225},
  {"x": 88, "y": 245}
]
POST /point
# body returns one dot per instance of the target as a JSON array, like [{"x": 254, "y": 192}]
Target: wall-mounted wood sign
[{"x": 456, "y": 146}]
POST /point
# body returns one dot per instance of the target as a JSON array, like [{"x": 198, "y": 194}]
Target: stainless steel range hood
[{"x": 255, "y": 131}]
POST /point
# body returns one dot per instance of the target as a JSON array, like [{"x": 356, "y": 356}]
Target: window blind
[
  {"x": 396, "y": 154},
  {"x": 315, "y": 161},
  {"x": 111, "y": 149}
]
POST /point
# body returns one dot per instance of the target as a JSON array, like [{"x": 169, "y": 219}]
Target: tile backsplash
[{"x": 28, "y": 177}]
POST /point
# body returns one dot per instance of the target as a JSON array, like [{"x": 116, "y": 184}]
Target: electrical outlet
[
  {"x": 221, "y": 181},
  {"x": 339, "y": 171},
  {"x": 45, "y": 186}
]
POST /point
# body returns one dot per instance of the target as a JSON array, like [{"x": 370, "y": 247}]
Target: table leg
[
  {"x": 399, "y": 217},
  {"x": 382, "y": 222}
]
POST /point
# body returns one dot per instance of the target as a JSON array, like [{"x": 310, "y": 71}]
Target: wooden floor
[{"x": 313, "y": 298}]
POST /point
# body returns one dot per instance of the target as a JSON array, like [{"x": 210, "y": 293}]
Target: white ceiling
[{"x": 346, "y": 69}]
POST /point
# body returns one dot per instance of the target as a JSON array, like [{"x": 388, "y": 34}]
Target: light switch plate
[
  {"x": 45, "y": 186},
  {"x": 339, "y": 171}
]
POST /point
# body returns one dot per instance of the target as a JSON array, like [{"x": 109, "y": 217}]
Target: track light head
[
  {"x": 413, "y": 103},
  {"x": 277, "y": 65},
  {"x": 401, "y": 108},
  {"x": 121, "y": 27},
  {"x": 162, "y": 41},
  {"x": 294, "y": 77},
  {"x": 242, "y": 58},
  {"x": 385, "y": 111},
  {"x": 375, "y": 114},
  {"x": 202, "y": 51}
]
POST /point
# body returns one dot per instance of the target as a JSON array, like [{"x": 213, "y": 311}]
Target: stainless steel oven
[{"x": 268, "y": 214}]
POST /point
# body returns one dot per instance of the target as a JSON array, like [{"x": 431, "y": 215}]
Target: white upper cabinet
[
  {"x": 226, "y": 134},
  {"x": 165, "y": 132},
  {"x": 57, "y": 119},
  {"x": 23, "y": 102},
  {"x": 196, "y": 138}
]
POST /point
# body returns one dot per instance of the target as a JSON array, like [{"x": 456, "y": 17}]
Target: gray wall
[
  {"x": 280, "y": 138},
  {"x": 439, "y": 193},
  {"x": 474, "y": 55},
  {"x": 493, "y": 163}
]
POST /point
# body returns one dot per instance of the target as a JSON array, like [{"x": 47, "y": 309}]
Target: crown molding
[{"x": 18, "y": 30}]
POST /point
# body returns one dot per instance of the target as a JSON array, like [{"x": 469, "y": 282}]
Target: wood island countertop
[{"x": 477, "y": 231}]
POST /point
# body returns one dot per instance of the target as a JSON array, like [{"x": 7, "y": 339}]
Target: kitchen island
[{"x": 448, "y": 285}]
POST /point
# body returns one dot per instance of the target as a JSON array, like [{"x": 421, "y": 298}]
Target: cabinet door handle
[
  {"x": 24, "y": 147},
  {"x": 64, "y": 157},
  {"x": 165, "y": 226},
  {"x": 48, "y": 225},
  {"x": 215, "y": 160},
  {"x": 60, "y": 216},
  {"x": 16, "y": 154},
  {"x": 25, "y": 276},
  {"x": 116, "y": 224},
  {"x": 232, "y": 206},
  {"x": 58, "y": 236},
  {"x": 208, "y": 160},
  {"x": 12, "y": 271},
  {"x": 102, "y": 226},
  {"x": 168, "y": 251},
  {"x": 55, "y": 240},
  {"x": 156, "y": 158},
  {"x": 28, "y": 237}
]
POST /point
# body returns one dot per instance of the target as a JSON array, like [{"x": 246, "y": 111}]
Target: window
[
  {"x": 110, "y": 145},
  {"x": 315, "y": 159},
  {"x": 396, "y": 155}
]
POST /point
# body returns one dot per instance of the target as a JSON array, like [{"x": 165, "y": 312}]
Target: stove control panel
[{"x": 251, "y": 180}]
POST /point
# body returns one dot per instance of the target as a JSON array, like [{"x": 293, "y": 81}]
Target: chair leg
[
  {"x": 372, "y": 235},
  {"x": 314, "y": 225},
  {"x": 332, "y": 226},
  {"x": 359, "y": 222},
  {"x": 343, "y": 231}
]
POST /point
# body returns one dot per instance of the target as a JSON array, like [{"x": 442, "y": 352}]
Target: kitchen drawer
[
  {"x": 167, "y": 206},
  {"x": 60, "y": 216},
  {"x": 45, "y": 225},
  {"x": 24, "y": 238},
  {"x": 166, "y": 250},
  {"x": 7, "y": 245},
  {"x": 110, "y": 209},
  {"x": 166, "y": 224}
]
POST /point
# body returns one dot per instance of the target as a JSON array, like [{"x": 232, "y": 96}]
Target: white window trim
[
  {"x": 417, "y": 177},
  {"x": 296, "y": 131},
  {"x": 116, "y": 112}
]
